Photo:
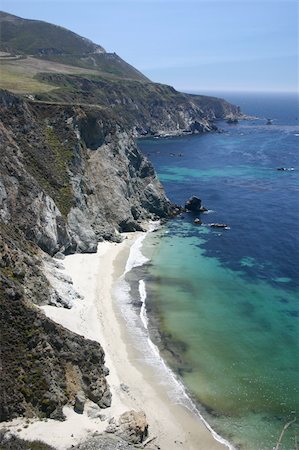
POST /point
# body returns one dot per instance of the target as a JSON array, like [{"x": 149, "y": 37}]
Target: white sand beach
[{"x": 133, "y": 383}]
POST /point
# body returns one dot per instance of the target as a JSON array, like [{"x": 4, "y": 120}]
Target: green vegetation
[
  {"x": 37, "y": 37},
  {"x": 20, "y": 83},
  {"x": 18, "y": 74},
  {"x": 52, "y": 44},
  {"x": 16, "y": 443},
  {"x": 62, "y": 158},
  {"x": 108, "y": 65}
]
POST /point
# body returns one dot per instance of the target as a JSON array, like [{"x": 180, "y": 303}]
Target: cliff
[
  {"x": 145, "y": 108},
  {"x": 71, "y": 176}
]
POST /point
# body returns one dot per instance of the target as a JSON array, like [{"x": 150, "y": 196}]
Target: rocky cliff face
[
  {"x": 71, "y": 176},
  {"x": 43, "y": 366},
  {"x": 146, "y": 108}
]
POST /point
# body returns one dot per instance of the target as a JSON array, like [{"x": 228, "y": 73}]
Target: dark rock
[
  {"x": 197, "y": 221},
  {"x": 106, "y": 442},
  {"x": 106, "y": 371},
  {"x": 232, "y": 120},
  {"x": 79, "y": 402},
  {"x": 203, "y": 209},
  {"x": 218, "y": 225},
  {"x": 129, "y": 225},
  {"x": 287, "y": 169},
  {"x": 57, "y": 414},
  {"x": 193, "y": 204}
]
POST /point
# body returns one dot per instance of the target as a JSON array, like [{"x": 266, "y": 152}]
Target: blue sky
[{"x": 191, "y": 44}]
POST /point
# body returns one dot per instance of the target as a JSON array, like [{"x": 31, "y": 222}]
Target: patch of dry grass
[{"x": 17, "y": 75}]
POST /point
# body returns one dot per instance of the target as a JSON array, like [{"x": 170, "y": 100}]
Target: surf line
[{"x": 137, "y": 259}]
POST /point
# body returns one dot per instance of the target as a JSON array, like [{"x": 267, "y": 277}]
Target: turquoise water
[{"x": 226, "y": 301}]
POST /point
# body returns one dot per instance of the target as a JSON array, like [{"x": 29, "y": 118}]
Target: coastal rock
[
  {"x": 94, "y": 411},
  {"x": 232, "y": 120},
  {"x": 59, "y": 255},
  {"x": 197, "y": 221},
  {"x": 193, "y": 204},
  {"x": 218, "y": 225},
  {"x": 203, "y": 209},
  {"x": 133, "y": 426},
  {"x": 129, "y": 225},
  {"x": 79, "y": 402}
]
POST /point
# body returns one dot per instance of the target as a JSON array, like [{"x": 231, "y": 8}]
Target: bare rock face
[{"x": 65, "y": 190}]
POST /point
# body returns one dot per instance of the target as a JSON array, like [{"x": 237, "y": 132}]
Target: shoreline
[
  {"x": 134, "y": 383},
  {"x": 176, "y": 390}
]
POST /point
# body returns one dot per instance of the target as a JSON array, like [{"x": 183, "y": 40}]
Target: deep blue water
[{"x": 228, "y": 299}]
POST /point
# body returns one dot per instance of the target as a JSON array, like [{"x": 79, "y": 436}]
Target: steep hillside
[
  {"x": 70, "y": 176},
  {"x": 53, "y": 43},
  {"x": 34, "y": 37}
]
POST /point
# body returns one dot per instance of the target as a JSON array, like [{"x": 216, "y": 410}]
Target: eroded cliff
[{"x": 70, "y": 176}]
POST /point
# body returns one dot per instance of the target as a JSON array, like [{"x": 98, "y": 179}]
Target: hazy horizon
[{"x": 224, "y": 46}]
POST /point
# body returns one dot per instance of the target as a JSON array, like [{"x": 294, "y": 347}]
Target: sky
[{"x": 193, "y": 45}]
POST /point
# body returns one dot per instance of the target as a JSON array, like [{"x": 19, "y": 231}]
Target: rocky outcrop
[
  {"x": 193, "y": 204},
  {"x": 132, "y": 427}
]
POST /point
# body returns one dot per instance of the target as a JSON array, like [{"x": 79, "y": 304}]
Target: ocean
[{"x": 221, "y": 305}]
